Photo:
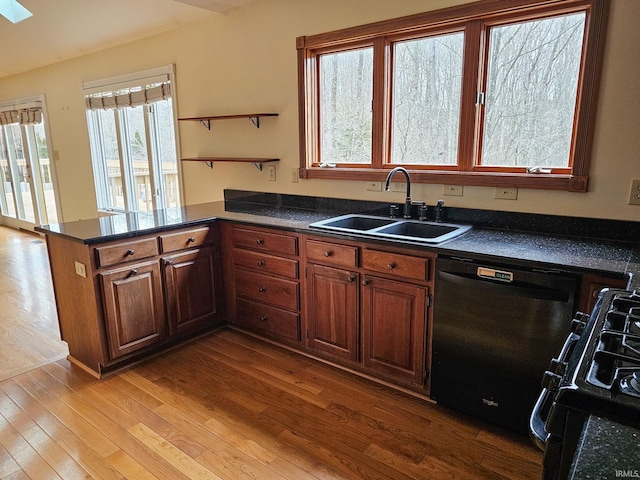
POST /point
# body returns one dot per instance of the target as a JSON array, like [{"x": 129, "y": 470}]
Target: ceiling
[{"x": 64, "y": 29}]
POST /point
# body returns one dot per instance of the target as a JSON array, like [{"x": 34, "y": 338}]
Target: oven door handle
[{"x": 537, "y": 428}]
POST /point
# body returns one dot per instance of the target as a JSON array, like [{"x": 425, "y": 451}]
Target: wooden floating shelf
[
  {"x": 206, "y": 120},
  {"x": 257, "y": 162}
]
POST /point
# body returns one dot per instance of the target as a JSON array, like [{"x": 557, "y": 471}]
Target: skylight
[{"x": 13, "y": 11}]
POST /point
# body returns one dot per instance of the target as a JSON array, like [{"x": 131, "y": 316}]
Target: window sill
[{"x": 570, "y": 183}]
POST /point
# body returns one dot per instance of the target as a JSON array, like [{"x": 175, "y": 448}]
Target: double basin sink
[{"x": 392, "y": 228}]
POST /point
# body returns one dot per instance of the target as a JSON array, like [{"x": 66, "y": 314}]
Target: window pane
[
  {"x": 167, "y": 152},
  {"x": 427, "y": 84},
  {"x": 531, "y": 92},
  {"x": 137, "y": 148},
  {"x": 7, "y": 202},
  {"x": 346, "y": 95},
  {"x": 42, "y": 162},
  {"x": 21, "y": 173},
  {"x": 108, "y": 139}
]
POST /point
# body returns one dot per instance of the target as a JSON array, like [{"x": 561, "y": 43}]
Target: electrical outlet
[
  {"x": 81, "y": 269},
  {"x": 398, "y": 187},
  {"x": 294, "y": 175},
  {"x": 453, "y": 190},
  {"x": 374, "y": 186},
  {"x": 272, "y": 173},
  {"x": 507, "y": 193},
  {"x": 634, "y": 196}
]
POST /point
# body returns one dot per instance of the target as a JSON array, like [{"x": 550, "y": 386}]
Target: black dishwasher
[{"x": 494, "y": 330}]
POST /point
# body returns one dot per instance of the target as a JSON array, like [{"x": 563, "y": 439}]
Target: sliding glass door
[{"x": 27, "y": 196}]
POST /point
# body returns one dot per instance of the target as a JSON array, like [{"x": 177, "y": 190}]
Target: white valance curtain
[
  {"x": 132, "y": 98},
  {"x": 28, "y": 115}
]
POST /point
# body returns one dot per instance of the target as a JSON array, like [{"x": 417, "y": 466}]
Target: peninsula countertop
[{"x": 544, "y": 250}]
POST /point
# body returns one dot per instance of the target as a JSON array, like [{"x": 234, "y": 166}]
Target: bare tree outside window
[
  {"x": 532, "y": 84},
  {"x": 427, "y": 84},
  {"x": 346, "y": 93}
]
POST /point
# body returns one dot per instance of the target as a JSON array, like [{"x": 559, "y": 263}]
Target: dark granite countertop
[
  {"x": 608, "y": 450},
  {"x": 544, "y": 250}
]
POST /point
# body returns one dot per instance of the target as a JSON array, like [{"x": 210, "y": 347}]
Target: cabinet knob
[
  {"x": 168, "y": 262},
  {"x": 133, "y": 272},
  {"x": 191, "y": 240},
  {"x": 261, "y": 263},
  {"x": 351, "y": 278},
  {"x": 366, "y": 282},
  {"x": 129, "y": 252},
  {"x": 391, "y": 266},
  {"x": 328, "y": 253},
  {"x": 262, "y": 289},
  {"x": 260, "y": 241},
  {"x": 263, "y": 318}
]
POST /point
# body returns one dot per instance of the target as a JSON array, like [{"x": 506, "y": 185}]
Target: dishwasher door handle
[{"x": 527, "y": 290}]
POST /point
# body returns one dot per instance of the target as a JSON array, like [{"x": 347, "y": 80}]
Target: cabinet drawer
[
  {"x": 125, "y": 252},
  {"x": 265, "y": 241},
  {"x": 285, "y": 267},
  {"x": 406, "y": 266},
  {"x": 171, "y": 242},
  {"x": 267, "y": 289},
  {"x": 332, "y": 254},
  {"x": 271, "y": 321}
]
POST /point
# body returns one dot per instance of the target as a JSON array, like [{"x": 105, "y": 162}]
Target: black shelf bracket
[
  {"x": 257, "y": 165},
  {"x": 256, "y": 122},
  {"x": 209, "y": 164},
  {"x": 206, "y": 123}
]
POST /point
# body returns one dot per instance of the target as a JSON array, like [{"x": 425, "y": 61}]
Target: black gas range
[{"x": 597, "y": 373}]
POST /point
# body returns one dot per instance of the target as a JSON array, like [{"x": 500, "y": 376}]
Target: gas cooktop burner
[
  {"x": 631, "y": 384},
  {"x": 616, "y": 358}
]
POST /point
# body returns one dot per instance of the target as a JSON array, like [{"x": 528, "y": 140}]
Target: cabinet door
[
  {"x": 134, "y": 310},
  {"x": 394, "y": 329},
  {"x": 333, "y": 311},
  {"x": 191, "y": 290}
]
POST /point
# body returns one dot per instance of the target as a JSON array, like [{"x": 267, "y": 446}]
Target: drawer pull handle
[
  {"x": 260, "y": 241},
  {"x": 365, "y": 282},
  {"x": 262, "y": 289},
  {"x": 133, "y": 272},
  {"x": 191, "y": 240},
  {"x": 328, "y": 253},
  {"x": 263, "y": 318},
  {"x": 130, "y": 252},
  {"x": 261, "y": 263},
  {"x": 391, "y": 266}
]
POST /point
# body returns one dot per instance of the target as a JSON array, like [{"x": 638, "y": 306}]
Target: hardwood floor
[
  {"x": 225, "y": 406},
  {"x": 230, "y": 406},
  {"x": 29, "y": 334}
]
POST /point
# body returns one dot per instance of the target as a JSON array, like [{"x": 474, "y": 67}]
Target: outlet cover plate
[
  {"x": 506, "y": 193},
  {"x": 374, "y": 186},
  {"x": 453, "y": 190}
]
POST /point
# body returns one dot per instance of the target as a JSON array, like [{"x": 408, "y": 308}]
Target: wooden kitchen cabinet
[
  {"x": 590, "y": 288},
  {"x": 332, "y": 313},
  {"x": 394, "y": 320},
  {"x": 262, "y": 273},
  {"x": 367, "y": 308},
  {"x": 191, "y": 289},
  {"x": 112, "y": 296},
  {"x": 134, "y": 311}
]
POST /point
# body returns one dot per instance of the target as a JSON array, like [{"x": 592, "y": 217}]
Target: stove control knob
[
  {"x": 577, "y": 326},
  {"x": 550, "y": 380},
  {"x": 558, "y": 367}
]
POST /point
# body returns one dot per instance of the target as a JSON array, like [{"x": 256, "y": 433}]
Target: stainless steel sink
[{"x": 393, "y": 229}]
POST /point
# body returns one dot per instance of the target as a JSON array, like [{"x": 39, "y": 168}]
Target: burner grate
[{"x": 616, "y": 358}]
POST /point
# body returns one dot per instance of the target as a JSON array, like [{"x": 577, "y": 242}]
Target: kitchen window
[
  {"x": 133, "y": 142},
  {"x": 487, "y": 93}
]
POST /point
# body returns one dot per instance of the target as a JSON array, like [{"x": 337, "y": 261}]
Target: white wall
[{"x": 246, "y": 62}]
